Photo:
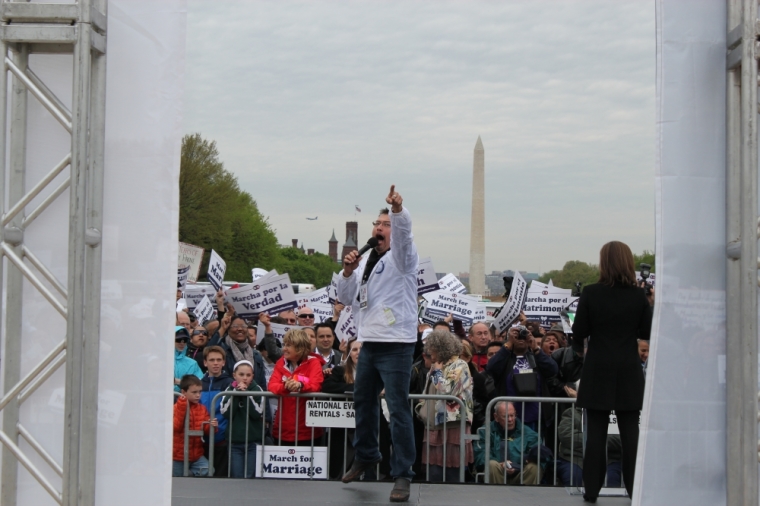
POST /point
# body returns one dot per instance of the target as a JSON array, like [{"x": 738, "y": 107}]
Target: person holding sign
[
  {"x": 615, "y": 313},
  {"x": 382, "y": 291}
]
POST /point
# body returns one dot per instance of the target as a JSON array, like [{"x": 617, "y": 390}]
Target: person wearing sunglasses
[
  {"x": 306, "y": 317},
  {"x": 198, "y": 340}
]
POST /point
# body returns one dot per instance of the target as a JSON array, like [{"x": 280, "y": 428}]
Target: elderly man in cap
[{"x": 182, "y": 363}]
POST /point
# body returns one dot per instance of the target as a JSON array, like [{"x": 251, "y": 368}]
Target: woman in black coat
[{"x": 613, "y": 314}]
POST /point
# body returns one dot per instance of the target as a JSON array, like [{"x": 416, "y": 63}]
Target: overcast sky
[{"x": 319, "y": 106}]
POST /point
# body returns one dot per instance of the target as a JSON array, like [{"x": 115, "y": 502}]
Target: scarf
[{"x": 241, "y": 351}]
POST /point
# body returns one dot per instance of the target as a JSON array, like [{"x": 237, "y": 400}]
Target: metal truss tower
[
  {"x": 742, "y": 228},
  {"x": 77, "y": 29}
]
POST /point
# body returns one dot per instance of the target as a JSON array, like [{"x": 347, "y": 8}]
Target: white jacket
[{"x": 392, "y": 286}]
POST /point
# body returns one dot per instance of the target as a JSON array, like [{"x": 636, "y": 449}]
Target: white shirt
[{"x": 391, "y": 312}]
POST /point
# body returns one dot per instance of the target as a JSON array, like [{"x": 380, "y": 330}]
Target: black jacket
[
  {"x": 614, "y": 317},
  {"x": 500, "y": 366},
  {"x": 335, "y": 383}
]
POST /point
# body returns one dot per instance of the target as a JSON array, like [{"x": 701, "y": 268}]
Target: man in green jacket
[{"x": 510, "y": 438}]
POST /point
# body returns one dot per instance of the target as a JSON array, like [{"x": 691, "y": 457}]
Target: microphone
[{"x": 370, "y": 244}]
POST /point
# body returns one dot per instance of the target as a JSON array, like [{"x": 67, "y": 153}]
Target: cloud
[{"x": 317, "y": 106}]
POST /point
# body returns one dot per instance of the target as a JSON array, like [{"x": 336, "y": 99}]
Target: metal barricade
[
  {"x": 187, "y": 434},
  {"x": 463, "y": 438},
  {"x": 540, "y": 400}
]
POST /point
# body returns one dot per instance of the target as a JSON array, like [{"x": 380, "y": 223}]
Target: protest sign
[
  {"x": 323, "y": 413},
  {"x": 322, "y": 312},
  {"x": 190, "y": 256},
  {"x": 216, "y": 268},
  {"x": 195, "y": 293},
  {"x": 278, "y": 331},
  {"x": 511, "y": 309},
  {"x": 545, "y": 302},
  {"x": 272, "y": 296},
  {"x": 427, "y": 281},
  {"x": 345, "y": 330},
  {"x": 257, "y": 273},
  {"x": 293, "y": 462},
  {"x": 320, "y": 296},
  {"x": 182, "y": 273},
  {"x": 204, "y": 311},
  {"x": 441, "y": 303},
  {"x": 452, "y": 284},
  {"x": 332, "y": 289}
]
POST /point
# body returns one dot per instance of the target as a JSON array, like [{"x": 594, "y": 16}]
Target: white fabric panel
[
  {"x": 681, "y": 457},
  {"x": 146, "y": 59}
]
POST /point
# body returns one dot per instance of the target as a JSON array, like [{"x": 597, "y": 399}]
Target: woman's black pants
[{"x": 595, "y": 459}]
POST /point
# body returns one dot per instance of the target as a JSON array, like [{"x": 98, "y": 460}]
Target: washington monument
[{"x": 478, "y": 223}]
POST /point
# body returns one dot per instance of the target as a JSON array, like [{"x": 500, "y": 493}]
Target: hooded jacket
[
  {"x": 234, "y": 407},
  {"x": 391, "y": 312},
  {"x": 309, "y": 373},
  {"x": 184, "y": 365},
  {"x": 198, "y": 415},
  {"x": 210, "y": 387}
]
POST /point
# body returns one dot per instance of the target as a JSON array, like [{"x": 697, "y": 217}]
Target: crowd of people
[{"x": 528, "y": 440}]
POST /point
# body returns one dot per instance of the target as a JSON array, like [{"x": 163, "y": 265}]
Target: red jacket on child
[
  {"x": 198, "y": 415},
  {"x": 309, "y": 373}
]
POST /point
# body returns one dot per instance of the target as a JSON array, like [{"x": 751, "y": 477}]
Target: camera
[
  {"x": 645, "y": 272},
  {"x": 524, "y": 334},
  {"x": 578, "y": 289}
]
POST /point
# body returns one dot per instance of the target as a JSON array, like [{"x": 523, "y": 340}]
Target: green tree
[
  {"x": 577, "y": 271},
  {"x": 316, "y": 269},
  {"x": 573, "y": 271},
  {"x": 216, "y": 214}
]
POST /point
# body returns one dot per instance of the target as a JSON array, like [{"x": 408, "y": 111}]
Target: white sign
[
  {"x": 194, "y": 295},
  {"x": 441, "y": 303},
  {"x": 427, "y": 281},
  {"x": 271, "y": 296},
  {"x": 293, "y": 462},
  {"x": 257, "y": 273},
  {"x": 278, "y": 331},
  {"x": 322, "y": 312},
  {"x": 514, "y": 304},
  {"x": 651, "y": 279},
  {"x": 332, "y": 289},
  {"x": 204, "y": 311},
  {"x": 324, "y": 413},
  {"x": 191, "y": 256},
  {"x": 182, "y": 274},
  {"x": 346, "y": 329},
  {"x": 216, "y": 268},
  {"x": 545, "y": 302},
  {"x": 452, "y": 284},
  {"x": 319, "y": 296}
]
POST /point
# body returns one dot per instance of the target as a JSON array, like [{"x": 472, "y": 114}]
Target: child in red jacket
[
  {"x": 297, "y": 371},
  {"x": 190, "y": 389}
]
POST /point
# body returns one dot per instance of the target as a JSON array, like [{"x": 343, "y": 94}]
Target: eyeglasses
[
  {"x": 239, "y": 327},
  {"x": 386, "y": 224},
  {"x": 180, "y": 340},
  {"x": 306, "y": 316},
  {"x": 200, "y": 332}
]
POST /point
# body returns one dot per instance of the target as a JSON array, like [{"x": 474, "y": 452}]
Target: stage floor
[{"x": 205, "y": 491}]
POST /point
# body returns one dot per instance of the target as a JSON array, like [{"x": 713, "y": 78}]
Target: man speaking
[{"x": 382, "y": 288}]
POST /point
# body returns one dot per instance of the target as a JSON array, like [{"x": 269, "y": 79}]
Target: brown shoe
[
  {"x": 400, "y": 492},
  {"x": 356, "y": 470}
]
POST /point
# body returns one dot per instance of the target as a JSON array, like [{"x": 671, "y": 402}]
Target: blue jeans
[
  {"x": 237, "y": 460},
  {"x": 614, "y": 474},
  {"x": 389, "y": 366},
  {"x": 197, "y": 468}
]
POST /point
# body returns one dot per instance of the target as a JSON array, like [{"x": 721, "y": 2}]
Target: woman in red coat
[{"x": 297, "y": 371}]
